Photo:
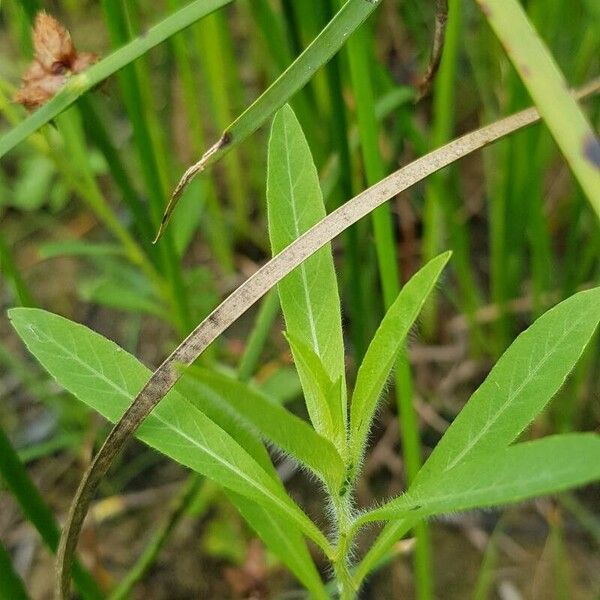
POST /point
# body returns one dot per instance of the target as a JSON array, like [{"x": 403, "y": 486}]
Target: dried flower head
[{"x": 55, "y": 60}]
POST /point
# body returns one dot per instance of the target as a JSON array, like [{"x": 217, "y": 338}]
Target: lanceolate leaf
[
  {"x": 500, "y": 410},
  {"x": 309, "y": 295},
  {"x": 522, "y": 382},
  {"x": 285, "y": 541},
  {"x": 546, "y": 84},
  {"x": 517, "y": 473},
  {"x": 383, "y": 350},
  {"x": 317, "y": 53},
  {"x": 270, "y": 420},
  {"x": 107, "y": 378},
  {"x": 318, "y": 386}
]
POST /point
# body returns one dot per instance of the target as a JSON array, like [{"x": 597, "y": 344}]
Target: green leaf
[
  {"x": 309, "y": 295},
  {"x": 107, "y": 378},
  {"x": 281, "y": 537},
  {"x": 320, "y": 388},
  {"x": 79, "y": 84},
  {"x": 548, "y": 88},
  {"x": 110, "y": 292},
  {"x": 269, "y": 419},
  {"x": 78, "y": 248},
  {"x": 314, "y": 56},
  {"x": 527, "y": 470},
  {"x": 11, "y": 584},
  {"x": 284, "y": 541},
  {"x": 521, "y": 383},
  {"x": 384, "y": 348}
]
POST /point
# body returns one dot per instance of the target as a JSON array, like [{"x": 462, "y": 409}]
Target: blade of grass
[
  {"x": 360, "y": 303},
  {"x": 11, "y": 274},
  {"x": 217, "y": 232},
  {"x": 184, "y": 500},
  {"x": 97, "y": 73},
  {"x": 37, "y": 512},
  {"x": 214, "y": 48},
  {"x": 327, "y": 43},
  {"x": 149, "y": 155},
  {"x": 546, "y": 84},
  {"x": 442, "y": 206},
  {"x": 168, "y": 373},
  {"x": 269, "y": 309},
  {"x": 11, "y": 585}
]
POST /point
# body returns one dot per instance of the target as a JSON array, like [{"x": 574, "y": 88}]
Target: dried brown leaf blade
[{"x": 55, "y": 60}]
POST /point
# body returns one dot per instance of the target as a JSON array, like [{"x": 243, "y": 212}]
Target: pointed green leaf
[
  {"x": 527, "y": 470},
  {"x": 384, "y": 348},
  {"x": 309, "y": 295},
  {"x": 270, "y": 420},
  {"x": 317, "y": 385},
  {"x": 104, "y": 376},
  {"x": 521, "y": 383},
  {"x": 284, "y": 541}
]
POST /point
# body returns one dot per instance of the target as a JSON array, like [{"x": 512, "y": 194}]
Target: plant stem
[
  {"x": 341, "y": 560},
  {"x": 359, "y": 47}
]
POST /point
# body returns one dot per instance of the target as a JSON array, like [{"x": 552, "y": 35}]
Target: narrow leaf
[
  {"x": 284, "y": 541},
  {"x": 316, "y": 54},
  {"x": 317, "y": 385},
  {"x": 79, "y": 84},
  {"x": 384, "y": 348},
  {"x": 309, "y": 295},
  {"x": 269, "y": 419},
  {"x": 11, "y": 585},
  {"x": 547, "y": 86},
  {"x": 521, "y": 383},
  {"x": 104, "y": 376},
  {"x": 527, "y": 470}
]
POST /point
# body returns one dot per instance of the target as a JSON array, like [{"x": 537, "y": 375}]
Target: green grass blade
[
  {"x": 521, "y": 383},
  {"x": 325, "y": 45},
  {"x": 37, "y": 512},
  {"x": 285, "y": 541},
  {"x": 83, "y": 82},
  {"x": 269, "y": 309},
  {"x": 107, "y": 378},
  {"x": 11, "y": 585},
  {"x": 309, "y": 295},
  {"x": 151, "y": 159},
  {"x": 390, "y": 534},
  {"x": 515, "y": 474},
  {"x": 12, "y": 276},
  {"x": 546, "y": 84},
  {"x": 271, "y": 421},
  {"x": 383, "y": 351}
]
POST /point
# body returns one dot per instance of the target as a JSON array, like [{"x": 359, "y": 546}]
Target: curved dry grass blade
[
  {"x": 252, "y": 290},
  {"x": 316, "y": 54},
  {"x": 439, "y": 35}
]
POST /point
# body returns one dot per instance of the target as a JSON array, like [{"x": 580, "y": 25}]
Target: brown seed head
[{"x": 55, "y": 59}]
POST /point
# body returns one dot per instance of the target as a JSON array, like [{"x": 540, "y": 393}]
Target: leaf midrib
[
  {"x": 125, "y": 393},
  {"x": 309, "y": 309},
  {"x": 472, "y": 443}
]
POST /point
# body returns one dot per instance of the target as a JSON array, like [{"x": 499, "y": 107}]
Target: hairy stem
[{"x": 341, "y": 559}]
